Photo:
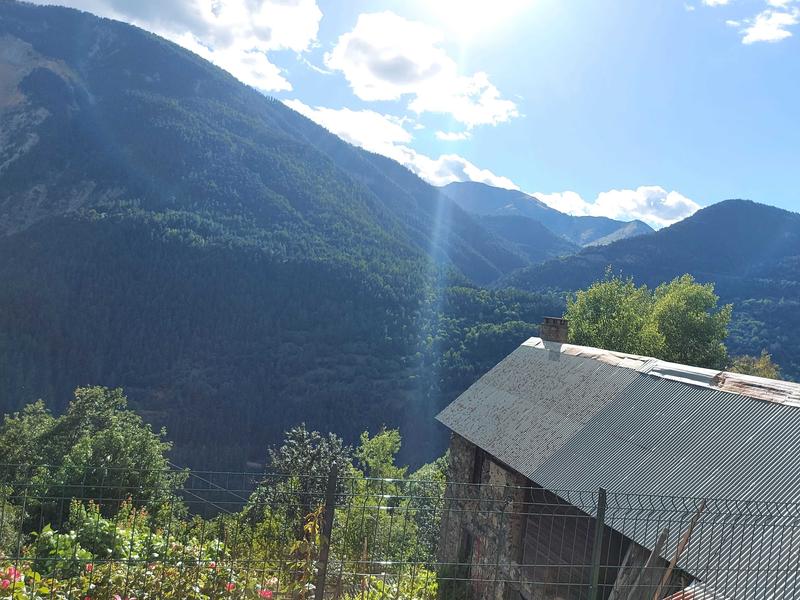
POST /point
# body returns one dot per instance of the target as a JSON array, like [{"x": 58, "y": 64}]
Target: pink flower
[
  {"x": 117, "y": 597},
  {"x": 212, "y": 565},
  {"x": 89, "y": 567},
  {"x": 230, "y": 586},
  {"x": 265, "y": 594},
  {"x": 4, "y": 584},
  {"x": 88, "y": 598}
]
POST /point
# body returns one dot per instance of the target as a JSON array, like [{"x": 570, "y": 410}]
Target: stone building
[{"x": 552, "y": 423}]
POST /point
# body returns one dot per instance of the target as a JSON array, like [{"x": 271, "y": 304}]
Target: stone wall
[
  {"x": 484, "y": 520},
  {"x": 489, "y": 529}
]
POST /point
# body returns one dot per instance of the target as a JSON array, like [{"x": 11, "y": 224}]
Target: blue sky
[{"x": 627, "y": 108}]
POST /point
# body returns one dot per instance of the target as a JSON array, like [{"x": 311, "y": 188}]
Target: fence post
[
  {"x": 597, "y": 549},
  {"x": 327, "y": 529}
]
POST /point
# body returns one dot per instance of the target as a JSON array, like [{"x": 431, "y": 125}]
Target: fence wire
[{"x": 117, "y": 534}]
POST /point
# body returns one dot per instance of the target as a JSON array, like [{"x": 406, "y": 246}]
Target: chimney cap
[
  {"x": 555, "y": 320},
  {"x": 554, "y": 329}
]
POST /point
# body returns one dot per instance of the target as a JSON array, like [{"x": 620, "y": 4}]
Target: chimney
[{"x": 554, "y": 329}]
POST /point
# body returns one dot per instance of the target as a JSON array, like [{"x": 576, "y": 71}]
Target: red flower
[
  {"x": 4, "y": 584},
  {"x": 89, "y": 567},
  {"x": 13, "y": 574},
  {"x": 230, "y": 586},
  {"x": 265, "y": 594},
  {"x": 212, "y": 565}
]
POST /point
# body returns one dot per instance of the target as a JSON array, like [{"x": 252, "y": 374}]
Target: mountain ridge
[
  {"x": 234, "y": 266},
  {"x": 482, "y": 199},
  {"x": 750, "y": 251}
]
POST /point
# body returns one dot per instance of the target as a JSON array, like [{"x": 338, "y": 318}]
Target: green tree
[
  {"x": 98, "y": 449},
  {"x": 692, "y": 326},
  {"x": 376, "y": 455},
  {"x": 298, "y": 476},
  {"x": 614, "y": 314},
  {"x": 679, "y": 321},
  {"x": 761, "y": 366}
]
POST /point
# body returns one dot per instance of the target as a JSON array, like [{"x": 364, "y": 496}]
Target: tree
[
  {"x": 761, "y": 366},
  {"x": 614, "y": 314},
  {"x": 98, "y": 449},
  {"x": 679, "y": 321},
  {"x": 376, "y": 455},
  {"x": 693, "y": 327},
  {"x": 298, "y": 475}
]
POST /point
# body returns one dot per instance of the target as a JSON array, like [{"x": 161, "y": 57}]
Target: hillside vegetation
[{"x": 234, "y": 266}]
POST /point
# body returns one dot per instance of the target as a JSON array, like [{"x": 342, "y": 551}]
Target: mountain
[
  {"x": 750, "y": 251},
  {"x": 482, "y": 199},
  {"x": 529, "y": 238},
  {"x": 237, "y": 268}
]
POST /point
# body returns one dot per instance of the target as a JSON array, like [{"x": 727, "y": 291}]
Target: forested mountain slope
[
  {"x": 750, "y": 251},
  {"x": 482, "y": 199},
  {"x": 235, "y": 267}
]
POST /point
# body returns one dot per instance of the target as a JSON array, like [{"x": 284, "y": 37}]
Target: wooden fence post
[{"x": 327, "y": 529}]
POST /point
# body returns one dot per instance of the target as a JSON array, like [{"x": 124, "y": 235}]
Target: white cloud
[
  {"x": 236, "y": 35},
  {"x": 771, "y": 25},
  {"x": 716, "y": 2},
  {"x": 453, "y": 136},
  {"x": 387, "y": 57},
  {"x": 368, "y": 129},
  {"x": 387, "y": 135},
  {"x": 652, "y": 204},
  {"x": 452, "y": 167}
]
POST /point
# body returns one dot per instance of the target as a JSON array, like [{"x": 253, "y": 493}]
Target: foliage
[
  {"x": 761, "y": 366},
  {"x": 111, "y": 550},
  {"x": 747, "y": 250},
  {"x": 616, "y": 315},
  {"x": 96, "y": 449},
  {"x": 376, "y": 455},
  {"x": 679, "y": 321},
  {"x": 692, "y": 326},
  {"x": 236, "y": 267},
  {"x": 417, "y": 584}
]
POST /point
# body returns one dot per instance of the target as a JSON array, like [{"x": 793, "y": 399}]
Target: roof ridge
[{"x": 751, "y": 386}]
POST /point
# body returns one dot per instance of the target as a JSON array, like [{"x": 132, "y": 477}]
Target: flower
[
  {"x": 117, "y": 597},
  {"x": 89, "y": 567},
  {"x": 88, "y": 598},
  {"x": 212, "y": 565},
  {"x": 265, "y": 594},
  {"x": 4, "y": 584},
  {"x": 14, "y": 575},
  {"x": 230, "y": 586}
]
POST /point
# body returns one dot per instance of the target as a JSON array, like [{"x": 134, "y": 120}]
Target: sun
[{"x": 469, "y": 18}]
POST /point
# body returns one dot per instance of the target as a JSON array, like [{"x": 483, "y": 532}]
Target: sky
[{"x": 632, "y": 109}]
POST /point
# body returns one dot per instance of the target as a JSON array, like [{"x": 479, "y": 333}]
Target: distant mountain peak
[{"x": 486, "y": 200}]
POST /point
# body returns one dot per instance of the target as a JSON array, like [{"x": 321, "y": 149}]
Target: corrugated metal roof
[{"x": 574, "y": 418}]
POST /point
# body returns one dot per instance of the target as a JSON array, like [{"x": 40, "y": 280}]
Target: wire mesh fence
[{"x": 119, "y": 534}]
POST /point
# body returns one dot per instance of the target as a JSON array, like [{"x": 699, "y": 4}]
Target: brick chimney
[{"x": 554, "y": 329}]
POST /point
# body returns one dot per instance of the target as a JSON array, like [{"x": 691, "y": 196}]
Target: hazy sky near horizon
[{"x": 628, "y": 108}]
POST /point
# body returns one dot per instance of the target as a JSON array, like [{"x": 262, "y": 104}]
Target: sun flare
[{"x": 467, "y": 18}]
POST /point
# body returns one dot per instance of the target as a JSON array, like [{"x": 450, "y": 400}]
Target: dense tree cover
[
  {"x": 749, "y": 251},
  {"x": 679, "y": 321},
  {"x": 234, "y": 266}
]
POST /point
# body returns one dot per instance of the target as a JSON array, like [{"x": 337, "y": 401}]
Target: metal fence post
[
  {"x": 327, "y": 529},
  {"x": 597, "y": 549}
]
